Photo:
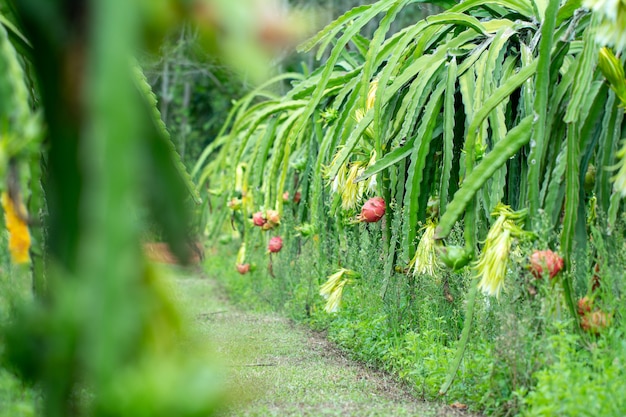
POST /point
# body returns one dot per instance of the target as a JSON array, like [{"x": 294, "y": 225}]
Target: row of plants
[
  {"x": 458, "y": 180},
  {"x": 520, "y": 345}
]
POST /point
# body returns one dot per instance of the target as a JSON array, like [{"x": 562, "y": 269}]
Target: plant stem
[{"x": 460, "y": 351}]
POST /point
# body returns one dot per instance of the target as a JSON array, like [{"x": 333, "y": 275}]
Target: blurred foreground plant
[{"x": 103, "y": 337}]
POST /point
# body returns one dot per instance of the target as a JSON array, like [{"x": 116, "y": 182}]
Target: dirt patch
[{"x": 278, "y": 367}]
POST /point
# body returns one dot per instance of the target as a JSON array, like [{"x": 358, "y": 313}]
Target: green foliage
[
  {"x": 485, "y": 103},
  {"x": 17, "y": 400},
  {"x": 498, "y": 72},
  {"x": 195, "y": 91}
]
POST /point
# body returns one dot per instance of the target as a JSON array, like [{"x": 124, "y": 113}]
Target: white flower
[{"x": 425, "y": 259}]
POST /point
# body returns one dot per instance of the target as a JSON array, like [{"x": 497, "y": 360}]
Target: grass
[
  {"x": 16, "y": 400},
  {"x": 278, "y": 368}
]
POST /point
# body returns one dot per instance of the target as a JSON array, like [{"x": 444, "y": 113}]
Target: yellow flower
[
  {"x": 425, "y": 259},
  {"x": 371, "y": 94},
  {"x": 612, "y": 69},
  {"x": 327, "y": 288},
  {"x": 619, "y": 179},
  {"x": 492, "y": 264},
  {"x": 332, "y": 289},
  {"x": 339, "y": 181},
  {"x": 345, "y": 183},
  {"x": 19, "y": 237},
  {"x": 352, "y": 191},
  {"x": 493, "y": 261},
  {"x": 334, "y": 300}
]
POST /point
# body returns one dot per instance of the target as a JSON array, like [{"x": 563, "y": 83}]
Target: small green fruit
[{"x": 454, "y": 257}]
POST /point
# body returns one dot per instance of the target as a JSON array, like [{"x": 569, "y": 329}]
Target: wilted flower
[
  {"x": 425, "y": 259},
  {"x": 371, "y": 94},
  {"x": 613, "y": 71},
  {"x": 619, "y": 179},
  {"x": 19, "y": 237},
  {"x": 345, "y": 182},
  {"x": 339, "y": 180},
  {"x": 240, "y": 179},
  {"x": 371, "y": 184},
  {"x": 491, "y": 265},
  {"x": 273, "y": 217},
  {"x": 332, "y": 289},
  {"x": 493, "y": 261},
  {"x": 351, "y": 193},
  {"x": 612, "y": 16},
  {"x": 334, "y": 298}
]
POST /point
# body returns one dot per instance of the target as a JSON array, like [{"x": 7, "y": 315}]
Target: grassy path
[{"x": 277, "y": 368}]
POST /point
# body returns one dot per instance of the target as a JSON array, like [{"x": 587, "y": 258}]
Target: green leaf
[
  {"x": 584, "y": 72},
  {"x": 416, "y": 168},
  {"x": 542, "y": 86},
  {"x": 390, "y": 159},
  {"x": 465, "y": 334},
  {"x": 400, "y": 81},
  {"x": 377, "y": 40},
  {"x": 151, "y": 101},
  {"x": 514, "y": 140},
  {"x": 567, "y": 10},
  {"x": 284, "y": 165},
  {"x": 572, "y": 198},
  {"x": 520, "y": 6},
  {"x": 496, "y": 98},
  {"x": 262, "y": 116},
  {"x": 361, "y": 19},
  {"x": 609, "y": 139},
  {"x": 20, "y": 42},
  {"x": 448, "y": 135},
  {"x": 260, "y": 158},
  {"x": 332, "y": 29}
]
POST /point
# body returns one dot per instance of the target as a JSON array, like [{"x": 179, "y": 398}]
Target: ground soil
[{"x": 276, "y": 367}]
